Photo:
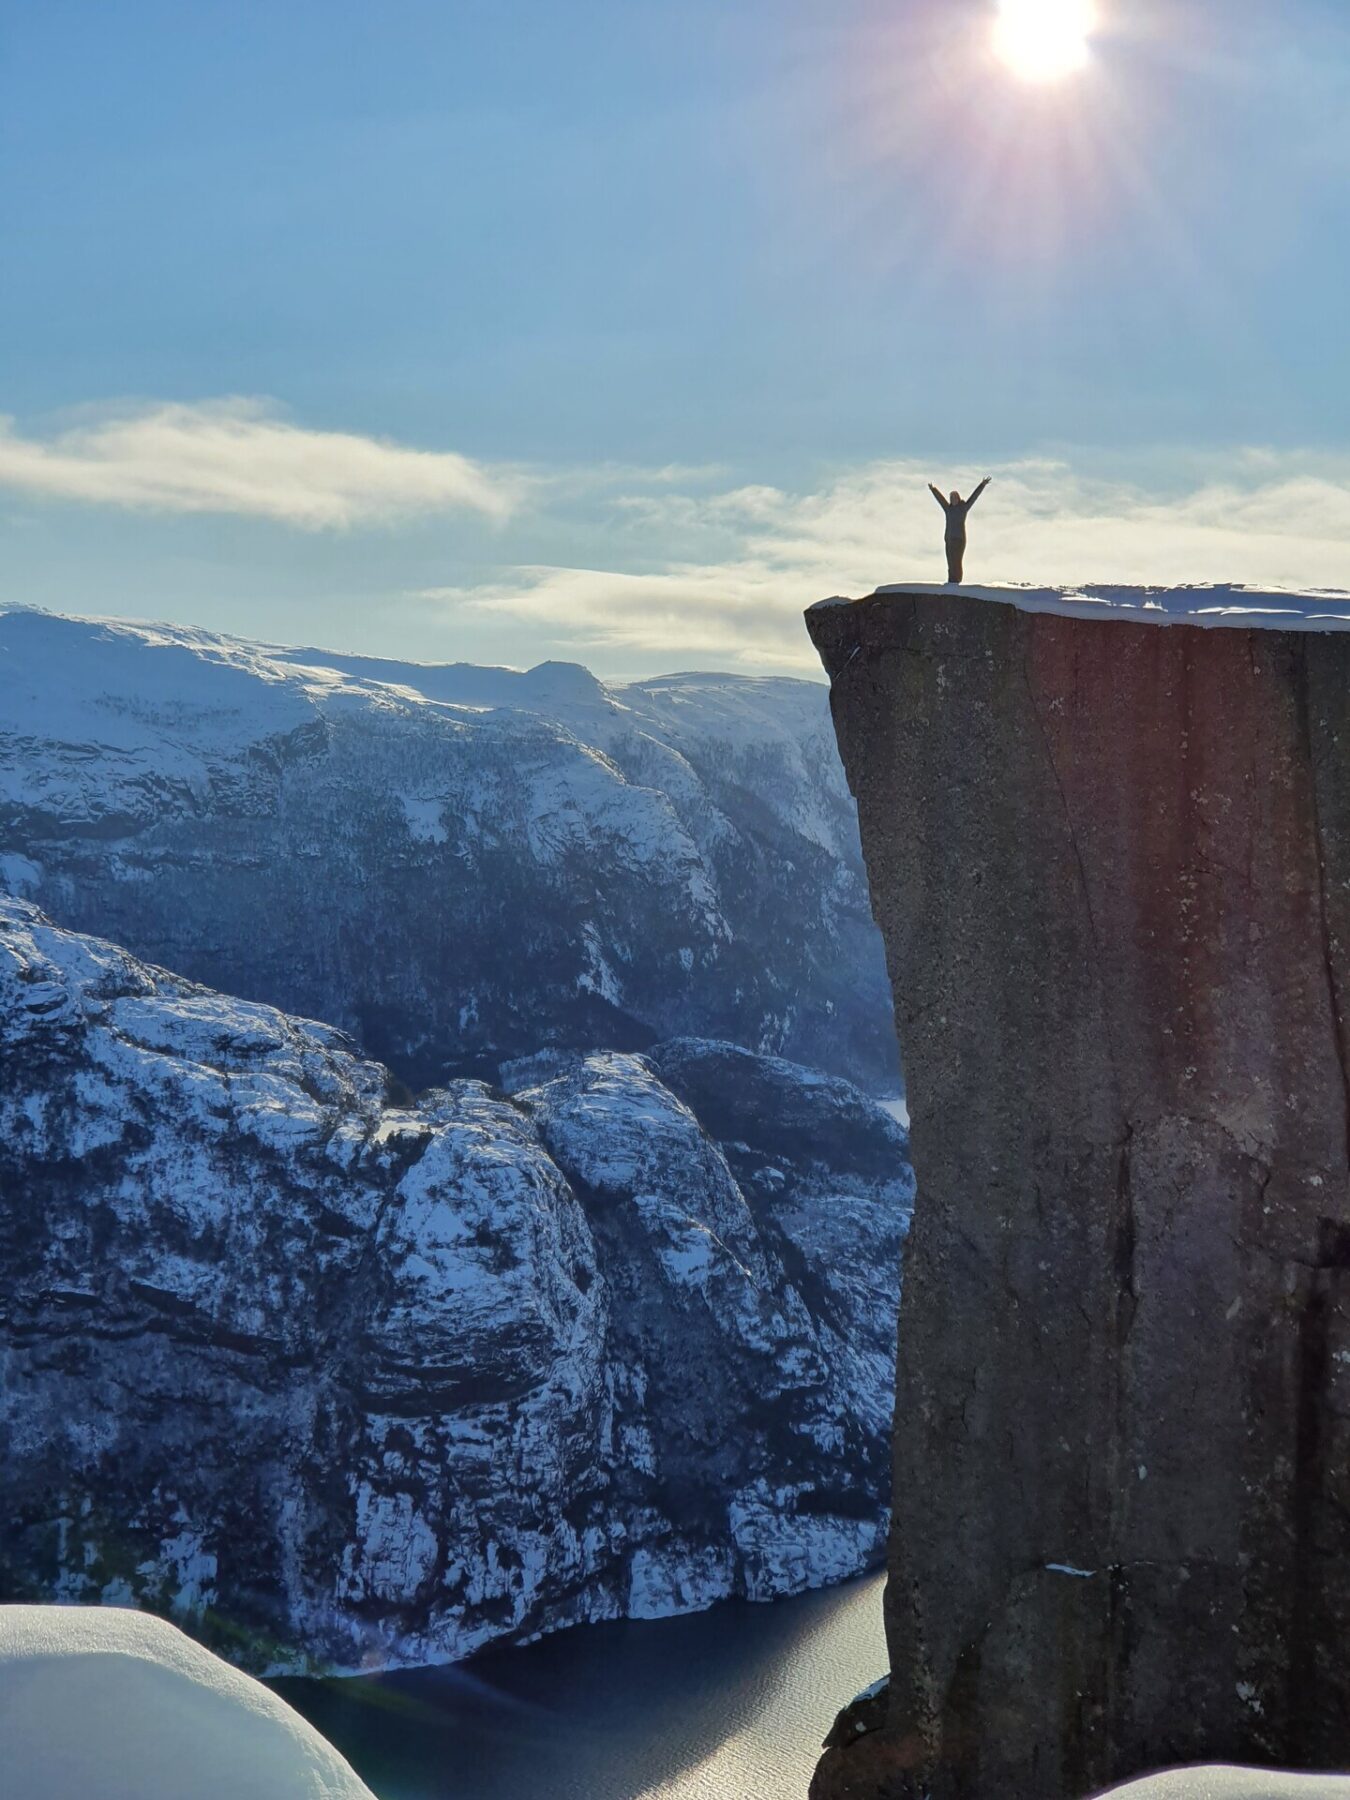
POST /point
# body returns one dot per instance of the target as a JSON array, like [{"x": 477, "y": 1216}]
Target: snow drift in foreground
[
  {"x": 107, "y": 1704},
  {"x": 1219, "y": 1782},
  {"x": 375, "y": 1383}
]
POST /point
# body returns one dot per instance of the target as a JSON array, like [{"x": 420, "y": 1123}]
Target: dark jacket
[{"x": 956, "y": 511}]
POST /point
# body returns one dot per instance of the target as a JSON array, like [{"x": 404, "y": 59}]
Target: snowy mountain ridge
[
  {"x": 217, "y": 694},
  {"x": 455, "y": 864}
]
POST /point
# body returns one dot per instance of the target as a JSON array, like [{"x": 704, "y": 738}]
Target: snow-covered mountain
[
  {"x": 457, "y": 865},
  {"x": 377, "y": 1382}
]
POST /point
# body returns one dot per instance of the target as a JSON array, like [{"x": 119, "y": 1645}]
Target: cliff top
[{"x": 1218, "y": 603}]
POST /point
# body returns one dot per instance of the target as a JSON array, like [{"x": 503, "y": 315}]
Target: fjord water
[{"x": 729, "y": 1704}]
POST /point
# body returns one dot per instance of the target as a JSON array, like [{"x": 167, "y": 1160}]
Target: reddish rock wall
[{"x": 1111, "y": 862}]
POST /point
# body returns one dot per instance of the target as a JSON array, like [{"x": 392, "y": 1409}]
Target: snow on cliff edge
[{"x": 1207, "y": 603}]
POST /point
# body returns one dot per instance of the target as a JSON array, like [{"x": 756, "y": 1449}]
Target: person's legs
[{"x": 955, "y": 560}]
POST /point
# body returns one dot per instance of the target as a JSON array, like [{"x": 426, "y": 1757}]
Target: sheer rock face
[
  {"x": 1111, "y": 864},
  {"x": 340, "y": 1380}
]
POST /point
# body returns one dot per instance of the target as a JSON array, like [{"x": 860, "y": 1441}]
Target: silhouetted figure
[{"x": 956, "y": 509}]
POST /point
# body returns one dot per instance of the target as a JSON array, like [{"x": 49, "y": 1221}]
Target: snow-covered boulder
[
  {"x": 100, "y": 1703},
  {"x": 1219, "y": 1782},
  {"x": 456, "y": 865},
  {"x": 337, "y": 1376}
]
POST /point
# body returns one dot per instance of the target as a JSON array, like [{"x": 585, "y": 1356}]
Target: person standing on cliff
[{"x": 956, "y": 509}]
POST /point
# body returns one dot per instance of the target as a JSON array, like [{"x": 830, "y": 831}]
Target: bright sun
[{"x": 1044, "y": 40}]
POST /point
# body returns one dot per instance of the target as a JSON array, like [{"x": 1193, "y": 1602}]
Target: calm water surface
[{"x": 729, "y": 1704}]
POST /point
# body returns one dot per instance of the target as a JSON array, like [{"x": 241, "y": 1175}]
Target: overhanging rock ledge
[{"x": 1109, "y": 851}]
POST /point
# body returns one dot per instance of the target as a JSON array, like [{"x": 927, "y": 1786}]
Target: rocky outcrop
[
  {"x": 1111, "y": 864},
  {"x": 455, "y": 865},
  {"x": 334, "y": 1376}
]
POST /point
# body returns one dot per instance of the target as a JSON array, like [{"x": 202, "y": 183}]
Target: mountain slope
[
  {"x": 456, "y": 865},
  {"x": 380, "y": 1383}
]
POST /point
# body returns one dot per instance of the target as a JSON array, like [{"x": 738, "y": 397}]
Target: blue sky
[{"x": 622, "y": 330}]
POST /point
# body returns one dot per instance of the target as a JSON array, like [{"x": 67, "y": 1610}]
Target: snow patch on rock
[
  {"x": 1201, "y": 603},
  {"x": 1222, "y": 1782}
]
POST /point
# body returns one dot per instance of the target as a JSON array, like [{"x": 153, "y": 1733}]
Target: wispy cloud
[
  {"x": 700, "y": 569},
  {"x": 240, "y": 456},
  {"x": 747, "y": 560}
]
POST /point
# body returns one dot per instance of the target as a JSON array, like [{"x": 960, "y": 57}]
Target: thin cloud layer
[
  {"x": 240, "y": 457},
  {"x": 702, "y": 572},
  {"x": 767, "y": 553}
]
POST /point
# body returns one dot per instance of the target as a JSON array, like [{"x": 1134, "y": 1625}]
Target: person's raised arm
[
  {"x": 940, "y": 498},
  {"x": 979, "y": 490}
]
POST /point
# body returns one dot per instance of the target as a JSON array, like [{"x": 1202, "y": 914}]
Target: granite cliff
[{"x": 1109, "y": 852}]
